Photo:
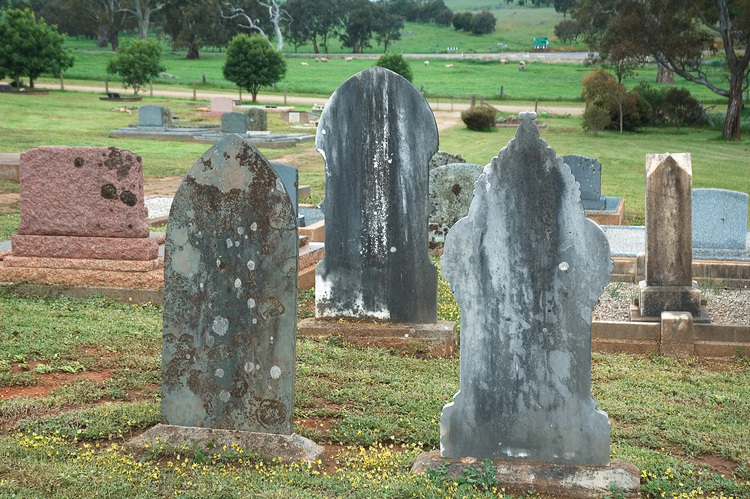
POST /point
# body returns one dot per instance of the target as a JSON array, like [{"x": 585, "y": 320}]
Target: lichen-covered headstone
[
  {"x": 377, "y": 134},
  {"x": 442, "y": 158},
  {"x": 526, "y": 268},
  {"x": 257, "y": 119},
  {"x": 230, "y": 290},
  {"x": 234, "y": 123},
  {"x": 451, "y": 192},
  {"x": 154, "y": 116}
]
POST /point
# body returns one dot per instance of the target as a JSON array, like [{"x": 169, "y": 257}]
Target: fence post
[
  {"x": 194, "y": 91},
  {"x": 451, "y": 103},
  {"x": 502, "y": 91},
  {"x": 106, "y": 84},
  {"x": 151, "y": 87},
  {"x": 285, "y": 96},
  {"x": 62, "y": 82}
]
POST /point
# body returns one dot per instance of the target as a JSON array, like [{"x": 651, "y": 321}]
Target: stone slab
[
  {"x": 719, "y": 219},
  {"x": 614, "y": 216},
  {"x": 310, "y": 254},
  {"x": 97, "y": 248},
  {"x": 82, "y": 191},
  {"x": 549, "y": 480},
  {"x": 377, "y": 134},
  {"x": 157, "y": 116},
  {"x": 9, "y": 165},
  {"x": 230, "y": 295},
  {"x": 222, "y": 104},
  {"x": 83, "y": 264},
  {"x": 316, "y": 232},
  {"x": 290, "y": 448},
  {"x": 439, "y": 339},
  {"x": 306, "y": 278},
  {"x": 233, "y": 123},
  {"x": 80, "y": 277}
]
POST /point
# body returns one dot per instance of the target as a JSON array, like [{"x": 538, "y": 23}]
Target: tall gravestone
[
  {"x": 669, "y": 253},
  {"x": 230, "y": 290},
  {"x": 588, "y": 173},
  {"x": 377, "y": 134},
  {"x": 527, "y": 268}
]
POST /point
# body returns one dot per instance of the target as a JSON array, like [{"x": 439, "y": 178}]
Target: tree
[
  {"x": 141, "y": 11},
  {"x": 387, "y": 26},
  {"x": 358, "y": 24},
  {"x": 396, "y": 63},
  {"x": 30, "y": 47},
  {"x": 312, "y": 19},
  {"x": 483, "y": 23},
  {"x": 462, "y": 21},
  {"x": 678, "y": 34},
  {"x": 193, "y": 23},
  {"x": 567, "y": 30},
  {"x": 276, "y": 15},
  {"x": 109, "y": 17},
  {"x": 564, "y": 6},
  {"x": 251, "y": 62},
  {"x": 137, "y": 62}
]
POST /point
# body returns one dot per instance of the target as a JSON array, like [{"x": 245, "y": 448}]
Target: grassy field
[{"x": 683, "y": 423}]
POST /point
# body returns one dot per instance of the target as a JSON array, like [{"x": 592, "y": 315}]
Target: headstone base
[
  {"x": 653, "y": 300},
  {"x": 99, "y": 248},
  {"x": 612, "y": 214},
  {"x": 290, "y": 448},
  {"x": 439, "y": 339},
  {"x": 552, "y": 480}
]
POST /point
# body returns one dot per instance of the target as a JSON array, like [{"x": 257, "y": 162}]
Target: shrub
[
  {"x": 680, "y": 107},
  {"x": 479, "y": 118},
  {"x": 396, "y": 63},
  {"x": 462, "y": 21},
  {"x": 595, "y": 118},
  {"x": 483, "y": 23},
  {"x": 567, "y": 30},
  {"x": 137, "y": 62},
  {"x": 626, "y": 108},
  {"x": 655, "y": 98}
]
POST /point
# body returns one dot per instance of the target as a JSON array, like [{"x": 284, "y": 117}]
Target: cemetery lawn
[{"x": 79, "y": 377}]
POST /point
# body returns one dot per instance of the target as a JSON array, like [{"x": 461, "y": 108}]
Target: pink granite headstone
[
  {"x": 82, "y": 202},
  {"x": 222, "y": 105}
]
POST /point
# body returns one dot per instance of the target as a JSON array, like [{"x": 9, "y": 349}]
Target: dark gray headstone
[
  {"x": 526, "y": 268},
  {"x": 588, "y": 173},
  {"x": 289, "y": 176},
  {"x": 377, "y": 134},
  {"x": 451, "y": 192},
  {"x": 230, "y": 290},
  {"x": 257, "y": 119},
  {"x": 234, "y": 123},
  {"x": 154, "y": 116},
  {"x": 719, "y": 219}
]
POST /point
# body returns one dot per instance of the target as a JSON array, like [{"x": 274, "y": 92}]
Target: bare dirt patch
[{"x": 46, "y": 382}]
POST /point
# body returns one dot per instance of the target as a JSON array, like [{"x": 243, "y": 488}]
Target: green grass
[{"x": 683, "y": 423}]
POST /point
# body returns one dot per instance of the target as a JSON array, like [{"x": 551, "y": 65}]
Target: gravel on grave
[{"x": 725, "y": 306}]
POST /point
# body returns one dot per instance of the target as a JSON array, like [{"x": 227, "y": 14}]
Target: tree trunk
[
  {"x": 113, "y": 39},
  {"x": 101, "y": 39},
  {"x": 315, "y": 45},
  {"x": 734, "y": 108},
  {"x": 192, "y": 52},
  {"x": 664, "y": 75}
]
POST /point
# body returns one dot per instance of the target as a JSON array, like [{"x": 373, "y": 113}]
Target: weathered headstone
[
  {"x": 221, "y": 105},
  {"x": 289, "y": 176},
  {"x": 719, "y": 219},
  {"x": 442, "y": 158},
  {"x": 669, "y": 283},
  {"x": 588, "y": 173},
  {"x": 526, "y": 268},
  {"x": 92, "y": 209},
  {"x": 377, "y": 134},
  {"x": 230, "y": 288},
  {"x": 234, "y": 123},
  {"x": 451, "y": 192},
  {"x": 257, "y": 119},
  {"x": 154, "y": 116}
]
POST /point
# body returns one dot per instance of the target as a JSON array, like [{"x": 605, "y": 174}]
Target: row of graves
[{"x": 526, "y": 267}]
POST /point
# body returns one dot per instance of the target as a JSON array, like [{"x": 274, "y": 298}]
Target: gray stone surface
[
  {"x": 442, "y": 158},
  {"x": 154, "y": 116},
  {"x": 377, "y": 134},
  {"x": 257, "y": 119},
  {"x": 234, "y": 123},
  {"x": 669, "y": 253},
  {"x": 719, "y": 219},
  {"x": 289, "y": 176},
  {"x": 290, "y": 448},
  {"x": 526, "y": 267},
  {"x": 451, "y": 192},
  {"x": 588, "y": 173},
  {"x": 230, "y": 291},
  {"x": 549, "y": 480}
]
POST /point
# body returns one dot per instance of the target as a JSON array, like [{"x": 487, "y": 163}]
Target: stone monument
[
  {"x": 377, "y": 134},
  {"x": 154, "y": 116},
  {"x": 527, "y": 268},
  {"x": 604, "y": 210},
  {"x": 230, "y": 291},
  {"x": 669, "y": 285},
  {"x": 719, "y": 219},
  {"x": 451, "y": 192},
  {"x": 233, "y": 122},
  {"x": 257, "y": 119}
]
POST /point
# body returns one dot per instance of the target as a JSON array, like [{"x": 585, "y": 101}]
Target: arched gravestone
[
  {"x": 526, "y": 268},
  {"x": 377, "y": 134},
  {"x": 230, "y": 291}
]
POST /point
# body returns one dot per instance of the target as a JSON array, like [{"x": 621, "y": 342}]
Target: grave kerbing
[
  {"x": 526, "y": 268},
  {"x": 230, "y": 290}
]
